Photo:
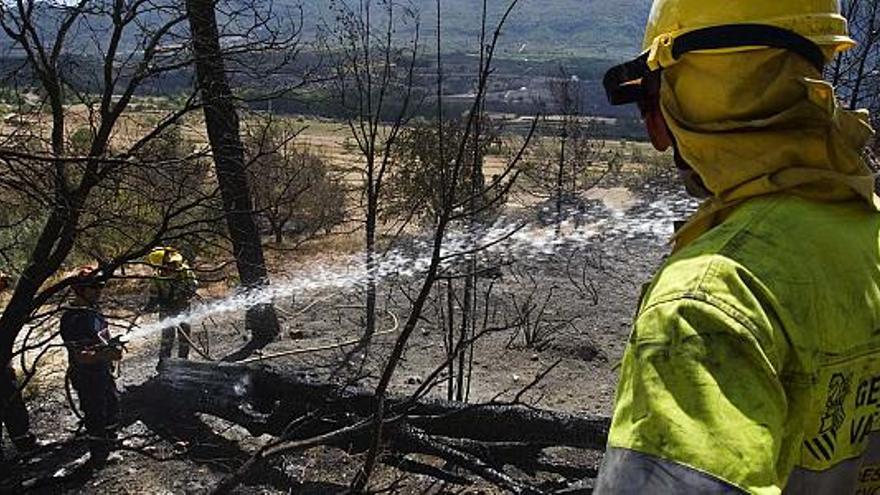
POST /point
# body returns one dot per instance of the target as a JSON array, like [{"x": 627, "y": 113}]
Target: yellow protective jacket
[
  {"x": 754, "y": 362},
  {"x": 175, "y": 291}
]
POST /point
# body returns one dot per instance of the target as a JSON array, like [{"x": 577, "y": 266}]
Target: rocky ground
[{"x": 574, "y": 299}]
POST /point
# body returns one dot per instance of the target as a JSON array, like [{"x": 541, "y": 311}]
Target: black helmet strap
[
  {"x": 738, "y": 35},
  {"x": 623, "y": 83}
]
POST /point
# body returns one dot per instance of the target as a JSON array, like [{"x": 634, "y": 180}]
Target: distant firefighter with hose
[
  {"x": 173, "y": 287},
  {"x": 754, "y": 361},
  {"x": 91, "y": 353}
]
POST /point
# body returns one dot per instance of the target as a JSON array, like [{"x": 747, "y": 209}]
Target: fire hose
[
  {"x": 68, "y": 384},
  {"x": 183, "y": 335}
]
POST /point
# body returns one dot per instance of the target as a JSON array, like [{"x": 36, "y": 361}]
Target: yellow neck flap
[{"x": 754, "y": 124}]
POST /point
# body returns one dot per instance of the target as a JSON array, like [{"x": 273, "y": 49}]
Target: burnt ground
[{"x": 585, "y": 292}]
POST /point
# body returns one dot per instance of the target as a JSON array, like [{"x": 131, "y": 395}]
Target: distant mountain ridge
[
  {"x": 605, "y": 29},
  {"x": 599, "y": 29}
]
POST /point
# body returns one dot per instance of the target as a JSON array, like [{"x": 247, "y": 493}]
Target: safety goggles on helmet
[{"x": 634, "y": 81}]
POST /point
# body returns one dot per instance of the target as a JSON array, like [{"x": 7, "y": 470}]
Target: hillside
[
  {"x": 584, "y": 36},
  {"x": 538, "y": 28}
]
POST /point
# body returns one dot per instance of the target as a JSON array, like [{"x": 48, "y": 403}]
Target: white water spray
[{"x": 503, "y": 238}]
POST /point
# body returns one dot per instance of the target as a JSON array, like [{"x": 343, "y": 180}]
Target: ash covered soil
[{"x": 575, "y": 302}]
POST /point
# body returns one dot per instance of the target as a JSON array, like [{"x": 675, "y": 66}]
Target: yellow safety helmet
[
  {"x": 817, "y": 20},
  {"x": 164, "y": 256},
  {"x": 814, "y": 29}
]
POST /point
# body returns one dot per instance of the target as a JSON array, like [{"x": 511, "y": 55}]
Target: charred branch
[{"x": 481, "y": 438}]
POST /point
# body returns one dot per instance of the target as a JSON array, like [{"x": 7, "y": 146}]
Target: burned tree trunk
[
  {"x": 304, "y": 413},
  {"x": 221, "y": 120},
  {"x": 267, "y": 402}
]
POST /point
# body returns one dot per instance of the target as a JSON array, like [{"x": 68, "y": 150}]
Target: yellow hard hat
[
  {"x": 814, "y": 29},
  {"x": 819, "y": 21},
  {"x": 164, "y": 256}
]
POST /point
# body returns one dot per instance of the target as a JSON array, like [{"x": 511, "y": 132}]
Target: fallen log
[
  {"x": 304, "y": 412},
  {"x": 266, "y": 401}
]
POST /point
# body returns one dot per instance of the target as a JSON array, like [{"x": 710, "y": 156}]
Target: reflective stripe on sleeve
[
  {"x": 859, "y": 475},
  {"x": 629, "y": 472}
]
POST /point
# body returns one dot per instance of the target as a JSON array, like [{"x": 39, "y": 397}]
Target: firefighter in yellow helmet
[
  {"x": 173, "y": 288},
  {"x": 754, "y": 361}
]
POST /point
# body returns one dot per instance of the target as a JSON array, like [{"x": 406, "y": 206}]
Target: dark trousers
[
  {"x": 171, "y": 333},
  {"x": 167, "y": 344},
  {"x": 99, "y": 404},
  {"x": 13, "y": 412}
]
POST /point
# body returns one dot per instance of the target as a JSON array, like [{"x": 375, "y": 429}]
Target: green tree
[
  {"x": 412, "y": 190},
  {"x": 294, "y": 188}
]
